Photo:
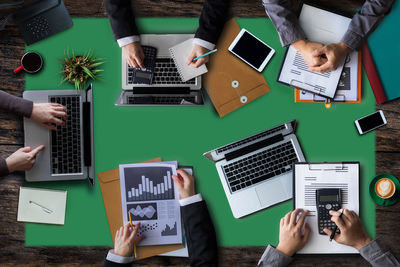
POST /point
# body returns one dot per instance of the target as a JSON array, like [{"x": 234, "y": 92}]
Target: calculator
[
  {"x": 145, "y": 76},
  {"x": 326, "y": 200}
]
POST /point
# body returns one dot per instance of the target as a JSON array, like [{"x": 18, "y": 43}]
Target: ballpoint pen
[{"x": 335, "y": 229}]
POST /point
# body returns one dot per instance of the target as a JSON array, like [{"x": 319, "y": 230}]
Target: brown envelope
[
  {"x": 230, "y": 82},
  {"x": 111, "y": 191}
]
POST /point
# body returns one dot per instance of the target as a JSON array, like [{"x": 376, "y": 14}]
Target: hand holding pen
[
  {"x": 125, "y": 240},
  {"x": 352, "y": 232}
]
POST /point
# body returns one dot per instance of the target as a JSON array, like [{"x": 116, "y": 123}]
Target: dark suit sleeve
[
  {"x": 121, "y": 18},
  {"x": 108, "y": 263},
  {"x": 212, "y": 20},
  {"x": 200, "y": 235}
]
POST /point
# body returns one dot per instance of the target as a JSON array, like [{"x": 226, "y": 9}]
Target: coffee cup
[
  {"x": 385, "y": 188},
  {"x": 31, "y": 62}
]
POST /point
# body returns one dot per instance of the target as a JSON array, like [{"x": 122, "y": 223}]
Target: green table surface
[{"x": 133, "y": 134}]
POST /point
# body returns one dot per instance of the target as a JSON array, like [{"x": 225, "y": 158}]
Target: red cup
[{"x": 31, "y": 62}]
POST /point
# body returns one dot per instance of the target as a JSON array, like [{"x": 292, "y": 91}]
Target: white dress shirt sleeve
[
  {"x": 118, "y": 259},
  {"x": 190, "y": 200},
  {"x": 128, "y": 40},
  {"x": 203, "y": 43}
]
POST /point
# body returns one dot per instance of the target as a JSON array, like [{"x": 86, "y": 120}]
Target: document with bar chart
[{"x": 149, "y": 194}]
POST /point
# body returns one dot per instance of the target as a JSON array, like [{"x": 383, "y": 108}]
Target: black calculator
[
  {"x": 145, "y": 76},
  {"x": 326, "y": 200}
]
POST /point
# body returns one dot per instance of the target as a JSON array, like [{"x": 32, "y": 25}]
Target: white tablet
[{"x": 251, "y": 50}]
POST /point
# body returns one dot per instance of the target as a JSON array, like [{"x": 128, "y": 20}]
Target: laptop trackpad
[{"x": 271, "y": 193}]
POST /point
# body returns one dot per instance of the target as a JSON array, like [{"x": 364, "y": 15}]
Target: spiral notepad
[{"x": 180, "y": 53}]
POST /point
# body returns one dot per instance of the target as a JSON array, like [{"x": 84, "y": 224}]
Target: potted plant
[{"x": 79, "y": 70}]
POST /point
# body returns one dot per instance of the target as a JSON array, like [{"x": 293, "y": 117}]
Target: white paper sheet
[
  {"x": 149, "y": 193},
  {"x": 347, "y": 89},
  {"x": 319, "y": 26},
  {"x": 41, "y": 205},
  {"x": 309, "y": 178}
]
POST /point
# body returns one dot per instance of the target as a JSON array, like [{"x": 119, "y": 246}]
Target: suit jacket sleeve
[
  {"x": 212, "y": 20},
  {"x": 121, "y": 18},
  {"x": 200, "y": 235}
]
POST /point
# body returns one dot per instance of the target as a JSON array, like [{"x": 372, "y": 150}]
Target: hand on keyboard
[
  {"x": 133, "y": 54},
  {"x": 48, "y": 114}
]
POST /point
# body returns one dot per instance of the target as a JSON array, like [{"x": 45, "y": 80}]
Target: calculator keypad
[
  {"x": 149, "y": 62},
  {"x": 324, "y": 218}
]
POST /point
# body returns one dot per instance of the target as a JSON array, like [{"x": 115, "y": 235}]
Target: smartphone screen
[
  {"x": 370, "y": 122},
  {"x": 251, "y": 50}
]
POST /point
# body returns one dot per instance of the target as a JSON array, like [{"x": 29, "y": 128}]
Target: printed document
[
  {"x": 319, "y": 26},
  {"x": 309, "y": 178},
  {"x": 149, "y": 194}
]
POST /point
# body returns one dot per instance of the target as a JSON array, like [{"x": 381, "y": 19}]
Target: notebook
[
  {"x": 180, "y": 53},
  {"x": 385, "y": 52},
  {"x": 41, "y": 205},
  {"x": 319, "y": 26},
  {"x": 307, "y": 178}
]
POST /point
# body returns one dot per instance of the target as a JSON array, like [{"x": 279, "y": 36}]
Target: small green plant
[{"x": 79, "y": 70}]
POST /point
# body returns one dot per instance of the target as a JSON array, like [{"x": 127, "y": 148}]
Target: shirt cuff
[
  {"x": 289, "y": 37},
  {"x": 352, "y": 40},
  {"x": 203, "y": 43},
  {"x": 373, "y": 249},
  {"x": 273, "y": 257},
  {"x": 128, "y": 40},
  {"x": 190, "y": 200},
  {"x": 118, "y": 259}
]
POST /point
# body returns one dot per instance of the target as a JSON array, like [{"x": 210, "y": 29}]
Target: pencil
[
  {"x": 131, "y": 225},
  {"x": 335, "y": 228},
  {"x": 206, "y": 54}
]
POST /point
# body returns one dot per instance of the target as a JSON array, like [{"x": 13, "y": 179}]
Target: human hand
[
  {"x": 335, "y": 55},
  {"x": 291, "y": 236},
  {"x": 185, "y": 184},
  {"x": 352, "y": 232},
  {"x": 48, "y": 114},
  {"x": 22, "y": 159},
  {"x": 197, "y": 51},
  {"x": 133, "y": 54},
  {"x": 306, "y": 49},
  {"x": 125, "y": 240}
]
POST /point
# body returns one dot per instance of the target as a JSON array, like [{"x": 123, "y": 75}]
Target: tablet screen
[{"x": 251, "y": 50}]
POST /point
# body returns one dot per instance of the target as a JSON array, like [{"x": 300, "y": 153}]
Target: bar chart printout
[{"x": 148, "y": 193}]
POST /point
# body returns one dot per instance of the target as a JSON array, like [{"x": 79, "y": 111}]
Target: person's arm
[
  {"x": 122, "y": 20},
  {"x": 352, "y": 233},
  {"x": 211, "y": 23},
  {"x": 285, "y": 21},
  {"x": 126, "y": 33},
  {"x": 18, "y": 105},
  {"x": 199, "y": 228},
  {"x": 365, "y": 21},
  {"x": 293, "y": 236},
  {"x": 122, "y": 254}
]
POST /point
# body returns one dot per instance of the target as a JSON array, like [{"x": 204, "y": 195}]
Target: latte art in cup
[{"x": 385, "y": 188}]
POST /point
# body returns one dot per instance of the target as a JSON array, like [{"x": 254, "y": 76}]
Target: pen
[
  {"x": 335, "y": 229},
  {"x": 43, "y": 208},
  {"x": 134, "y": 243},
  {"x": 204, "y": 55}
]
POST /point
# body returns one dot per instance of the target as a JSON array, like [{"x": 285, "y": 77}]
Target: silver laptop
[
  {"x": 167, "y": 87},
  {"x": 256, "y": 172},
  {"x": 68, "y": 152}
]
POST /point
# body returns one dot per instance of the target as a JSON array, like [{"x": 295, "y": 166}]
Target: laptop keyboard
[
  {"x": 160, "y": 100},
  {"x": 260, "y": 167},
  {"x": 165, "y": 72},
  {"x": 66, "y": 141},
  {"x": 250, "y": 139}
]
